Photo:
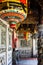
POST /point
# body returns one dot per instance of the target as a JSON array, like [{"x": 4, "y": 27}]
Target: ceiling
[
  {"x": 34, "y": 16},
  {"x": 13, "y": 11},
  {"x": 23, "y": 11}
]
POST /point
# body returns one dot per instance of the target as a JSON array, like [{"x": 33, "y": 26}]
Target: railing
[{"x": 23, "y": 54}]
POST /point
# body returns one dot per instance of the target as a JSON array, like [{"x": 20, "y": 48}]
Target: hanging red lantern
[{"x": 13, "y": 25}]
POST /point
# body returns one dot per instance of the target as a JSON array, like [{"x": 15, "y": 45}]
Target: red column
[{"x": 14, "y": 40}]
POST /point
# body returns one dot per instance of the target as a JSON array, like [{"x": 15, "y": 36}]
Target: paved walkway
[{"x": 27, "y": 62}]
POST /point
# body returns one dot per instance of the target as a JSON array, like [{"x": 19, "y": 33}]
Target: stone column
[{"x": 40, "y": 44}]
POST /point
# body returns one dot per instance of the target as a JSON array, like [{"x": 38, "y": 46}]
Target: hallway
[{"x": 21, "y": 32}]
